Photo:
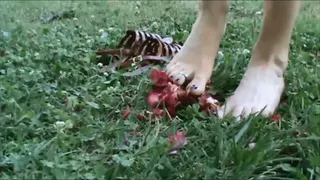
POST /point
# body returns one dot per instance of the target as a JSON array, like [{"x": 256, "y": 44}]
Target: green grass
[{"x": 50, "y": 76}]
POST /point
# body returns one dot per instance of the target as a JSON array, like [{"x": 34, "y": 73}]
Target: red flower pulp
[{"x": 166, "y": 94}]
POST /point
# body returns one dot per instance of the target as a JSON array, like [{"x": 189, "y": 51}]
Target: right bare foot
[{"x": 195, "y": 61}]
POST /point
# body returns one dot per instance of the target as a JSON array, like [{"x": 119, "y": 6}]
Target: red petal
[
  {"x": 170, "y": 100},
  {"x": 275, "y": 117},
  {"x": 159, "y": 78},
  {"x": 170, "y": 95},
  {"x": 157, "y": 112},
  {"x": 126, "y": 113},
  {"x": 157, "y": 89},
  {"x": 153, "y": 99},
  {"x": 208, "y": 103},
  {"x": 177, "y": 140}
]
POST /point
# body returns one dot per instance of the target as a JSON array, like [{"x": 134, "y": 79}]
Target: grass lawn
[{"x": 61, "y": 119}]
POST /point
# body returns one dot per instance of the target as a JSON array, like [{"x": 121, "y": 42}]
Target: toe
[
  {"x": 237, "y": 112},
  {"x": 197, "y": 86},
  {"x": 181, "y": 78},
  {"x": 255, "y": 110},
  {"x": 225, "y": 109},
  {"x": 267, "y": 112},
  {"x": 247, "y": 110}
]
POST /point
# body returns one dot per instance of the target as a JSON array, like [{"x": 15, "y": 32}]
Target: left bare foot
[
  {"x": 259, "y": 91},
  {"x": 262, "y": 85}
]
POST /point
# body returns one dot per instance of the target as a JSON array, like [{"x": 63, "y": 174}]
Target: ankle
[
  {"x": 276, "y": 67},
  {"x": 276, "y": 58}
]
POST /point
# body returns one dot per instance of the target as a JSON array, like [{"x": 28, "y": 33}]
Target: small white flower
[
  {"x": 105, "y": 74},
  {"x": 101, "y": 30},
  {"x": 5, "y": 33},
  {"x": 92, "y": 16},
  {"x": 60, "y": 124},
  {"x": 75, "y": 19},
  {"x": 89, "y": 41},
  {"x": 69, "y": 124},
  {"x": 245, "y": 51},
  {"x": 258, "y": 13},
  {"x": 220, "y": 54},
  {"x": 100, "y": 64},
  {"x": 155, "y": 24},
  {"x": 110, "y": 29},
  {"x": 252, "y": 145},
  {"x": 36, "y": 54},
  {"x": 50, "y": 105}
]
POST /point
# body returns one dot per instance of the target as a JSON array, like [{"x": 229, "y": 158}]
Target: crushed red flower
[
  {"x": 208, "y": 104},
  {"x": 154, "y": 99},
  {"x": 166, "y": 94},
  {"x": 159, "y": 78}
]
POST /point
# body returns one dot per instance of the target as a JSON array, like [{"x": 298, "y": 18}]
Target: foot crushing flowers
[{"x": 166, "y": 94}]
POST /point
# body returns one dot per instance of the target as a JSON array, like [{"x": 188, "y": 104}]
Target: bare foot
[
  {"x": 259, "y": 91},
  {"x": 262, "y": 85},
  {"x": 194, "y": 63}
]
